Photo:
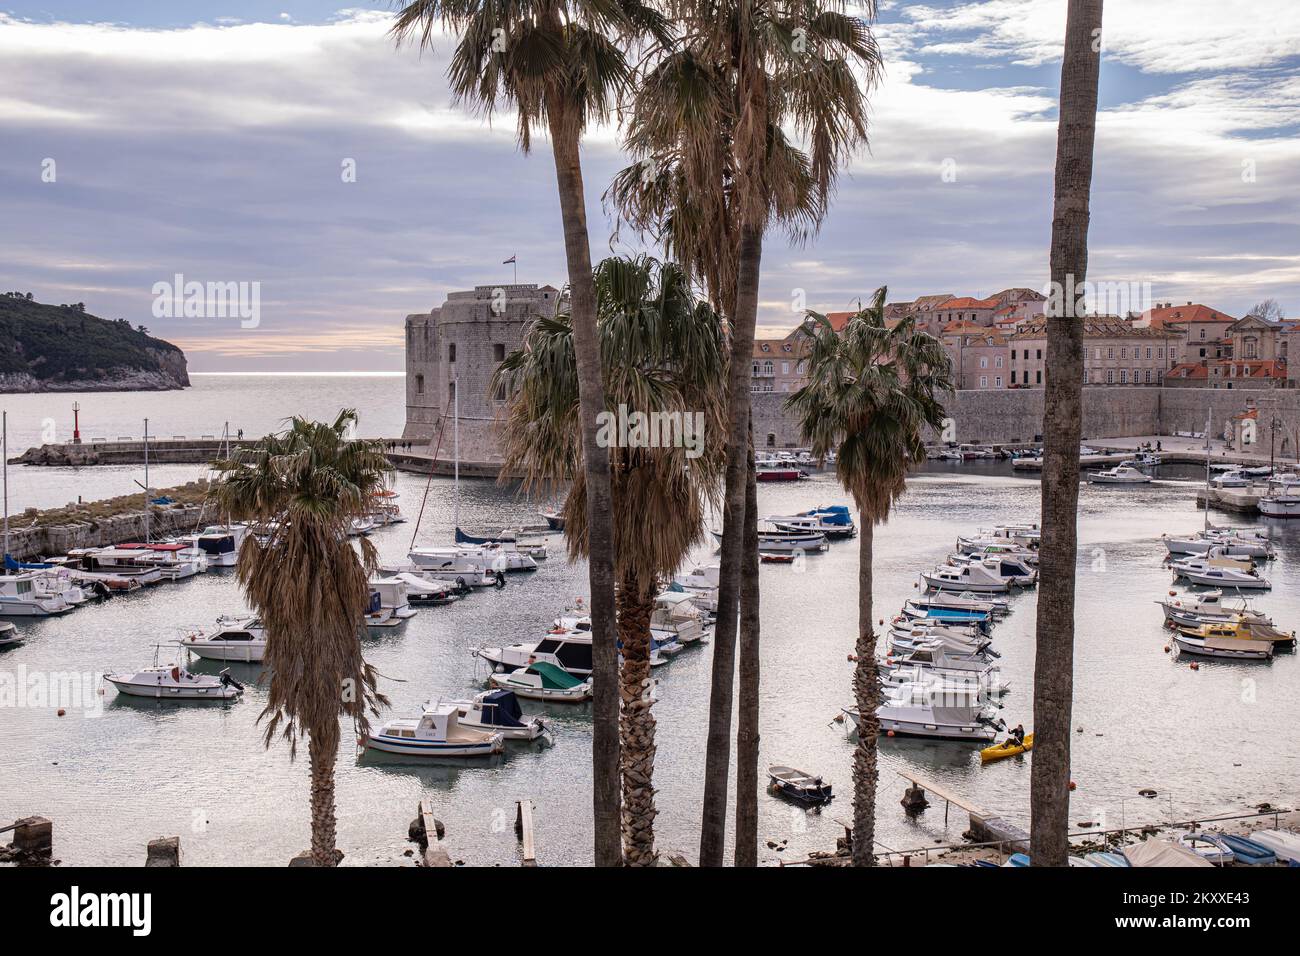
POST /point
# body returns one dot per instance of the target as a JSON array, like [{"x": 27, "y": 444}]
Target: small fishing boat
[
  {"x": 674, "y": 619},
  {"x": 1011, "y": 570},
  {"x": 776, "y": 557},
  {"x": 9, "y": 634},
  {"x": 984, "y": 603},
  {"x": 932, "y": 710},
  {"x": 797, "y": 785},
  {"x": 220, "y": 544},
  {"x": 554, "y": 520},
  {"x": 954, "y": 644},
  {"x": 1008, "y": 748},
  {"x": 462, "y": 572},
  {"x": 174, "y": 682},
  {"x": 491, "y": 557},
  {"x": 436, "y": 733},
  {"x": 933, "y": 657},
  {"x": 1207, "y": 846},
  {"x": 1193, "y": 610},
  {"x": 498, "y": 711},
  {"x": 542, "y": 680},
  {"x": 1120, "y": 475},
  {"x": 1240, "y": 628},
  {"x": 1230, "y": 545},
  {"x": 421, "y": 590},
  {"x": 970, "y": 577},
  {"x": 1230, "y": 648},
  {"x": 1247, "y": 852},
  {"x": 1231, "y": 479},
  {"x": 1285, "y": 844},
  {"x": 235, "y": 639},
  {"x": 22, "y": 596},
  {"x": 394, "y": 605},
  {"x": 834, "y": 521},
  {"x": 1280, "y": 504}
]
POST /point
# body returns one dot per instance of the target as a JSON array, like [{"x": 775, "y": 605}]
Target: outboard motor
[{"x": 228, "y": 681}]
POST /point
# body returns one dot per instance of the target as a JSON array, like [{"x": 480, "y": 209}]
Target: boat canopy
[
  {"x": 12, "y": 565},
  {"x": 501, "y": 709},
  {"x": 555, "y": 678},
  {"x": 1162, "y": 853}
]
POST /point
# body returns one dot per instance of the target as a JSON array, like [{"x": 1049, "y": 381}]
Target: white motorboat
[
  {"x": 22, "y": 596},
  {"x": 567, "y": 644},
  {"x": 1231, "y": 545},
  {"x": 497, "y": 711},
  {"x": 1191, "y": 610},
  {"x": 702, "y": 584},
  {"x": 436, "y": 733},
  {"x": 970, "y": 577},
  {"x": 384, "y": 510},
  {"x": 234, "y": 639},
  {"x": 934, "y": 658},
  {"x": 529, "y": 541},
  {"x": 777, "y": 540},
  {"x": 676, "y": 619},
  {"x": 393, "y": 601},
  {"x": 993, "y": 549},
  {"x": 954, "y": 643},
  {"x": 9, "y": 634},
  {"x": 362, "y": 526},
  {"x": 455, "y": 570},
  {"x": 1009, "y": 569},
  {"x": 989, "y": 685},
  {"x": 962, "y": 601},
  {"x": 56, "y": 581},
  {"x": 834, "y": 521},
  {"x": 1231, "y": 479},
  {"x": 1280, "y": 504},
  {"x": 935, "y": 711},
  {"x": 1143, "y": 460},
  {"x": 220, "y": 544},
  {"x": 1208, "y": 574},
  {"x": 542, "y": 680},
  {"x": 1120, "y": 475},
  {"x": 492, "y": 557},
  {"x": 174, "y": 682}
]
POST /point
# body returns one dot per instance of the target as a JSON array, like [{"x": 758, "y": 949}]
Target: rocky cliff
[{"x": 63, "y": 348}]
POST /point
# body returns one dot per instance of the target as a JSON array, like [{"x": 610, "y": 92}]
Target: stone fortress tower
[{"x": 457, "y": 348}]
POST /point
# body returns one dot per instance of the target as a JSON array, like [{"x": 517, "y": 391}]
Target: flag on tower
[{"x": 506, "y": 262}]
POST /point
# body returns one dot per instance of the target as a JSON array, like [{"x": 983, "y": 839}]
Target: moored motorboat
[
  {"x": 970, "y": 577},
  {"x": 22, "y": 596},
  {"x": 174, "y": 682},
  {"x": 1193, "y": 610},
  {"x": 542, "y": 680},
  {"x": 566, "y": 644},
  {"x": 797, "y": 785},
  {"x": 1230, "y": 648},
  {"x": 435, "y": 733},
  {"x": 1119, "y": 475},
  {"x": 1205, "y": 572},
  {"x": 498, "y": 711},
  {"x": 771, "y": 540},
  {"x": 1208, "y": 846},
  {"x": 234, "y": 639},
  {"x": 933, "y": 710},
  {"x": 220, "y": 544},
  {"x": 9, "y": 634}
]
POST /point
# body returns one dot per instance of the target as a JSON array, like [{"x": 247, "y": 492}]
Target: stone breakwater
[
  {"x": 173, "y": 451},
  {"x": 37, "y": 534}
]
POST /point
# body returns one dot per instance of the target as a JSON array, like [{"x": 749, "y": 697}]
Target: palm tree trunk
[
  {"x": 717, "y": 756},
  {"x": 747, "y": 729},
  {"x": 322, "y": 753},
  {"x": 866, "y": 693},
  {"x": 1062, "y": 424},
  {"x": 636, "y": 723},
  {"x": 591, "y": 398}
]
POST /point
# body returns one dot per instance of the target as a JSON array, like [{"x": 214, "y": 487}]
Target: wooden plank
[
  {"x": 943, "y": 794},
  {"x": 524, "y": 830}
]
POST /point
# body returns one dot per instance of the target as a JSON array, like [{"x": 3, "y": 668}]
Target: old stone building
[
  {"x": 1115, "y": 353},
  {"x": 454, "y": 350}
]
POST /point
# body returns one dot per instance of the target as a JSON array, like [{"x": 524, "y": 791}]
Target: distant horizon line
[{"x": 354, "y": 374}]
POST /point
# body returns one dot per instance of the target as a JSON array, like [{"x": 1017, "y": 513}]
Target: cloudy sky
[{"x": 208, "y": 138}]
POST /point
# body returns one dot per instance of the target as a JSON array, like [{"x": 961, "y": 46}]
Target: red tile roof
[
  {"x": 966, "y": 302},
  {"x": 1179, "y": 314}
]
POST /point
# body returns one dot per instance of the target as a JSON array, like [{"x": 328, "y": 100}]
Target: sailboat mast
[
  {"x": 4, "y": 427},
  {"x": 146, "y": 481},
  {"x": 455, "y": 404},
  {"x": 1208, "y": 417}
]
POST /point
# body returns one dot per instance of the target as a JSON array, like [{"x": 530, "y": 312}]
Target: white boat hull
[
  {"x": 169, "y": 691},
  {"x": 431, "y": 748}
]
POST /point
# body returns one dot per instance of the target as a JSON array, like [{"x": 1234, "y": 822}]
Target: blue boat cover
[
  {"x": 501, "y": 709},
  {"x": 463, "y": 538},
  {"x": 12, "y": 565}
]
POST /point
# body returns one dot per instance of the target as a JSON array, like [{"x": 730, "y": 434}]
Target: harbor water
[{"x": 118, "y": 772}]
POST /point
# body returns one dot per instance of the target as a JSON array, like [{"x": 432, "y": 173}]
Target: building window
[
  {"x": 1123, "y": 376},
  {"x": 984, "y": 361},
  {"x": 1013, "y": 355},
  {"x": 997, "y": 361},
  {"x": 501, "y": 392},
  {"x": 771, "y": 440},
  {"x": 1202, "y": 333},
  {"x": 984, "y": 381},
  {"x": 1148, "y": 351},
  {"x": 1110, "y": 352},
  {"x": 1123, "y": 353},
  {"x": 419, "y": 385},
  {"x": 785, "y": 368},
  {"x": 1040, "y": 353},
  {"x": 1013, "y": 376},
  {"x": 1085, "y": 376},
  {"x": 498, "y": 352},
  {"x": 768, "y": 367},
  {"x": 451, "y": 351},
  {"x": 1038, "y": 377},
  {"x": 1151, "y": 375},
  {"x": 451, "y": 391},
  {"x": 1110, "y": 376},
  {"x": 998, "y": 381}
]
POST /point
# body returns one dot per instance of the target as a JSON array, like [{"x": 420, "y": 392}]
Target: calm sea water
[{"x": 1218, "y": 738}]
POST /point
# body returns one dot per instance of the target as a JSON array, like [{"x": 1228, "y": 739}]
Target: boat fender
[
  {"x": 176, "y": 673},
  {"x": 1166, "y": 648},
  {"x": 1073, "y": 786},
  {"x": 889, "y": 733},
  {"x": 1195, "y": 666}
]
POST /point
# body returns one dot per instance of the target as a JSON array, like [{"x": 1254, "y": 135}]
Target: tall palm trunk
[
  {"x": 636, "y": 723},
  {"x": 591, "y": 398},
  {"x": 747, "y": 729},
  {"x": 1062, "y": 424},
  {"x": 322, "y": 753},
  {"x": 866, "y": 693},
  {"x": 717, "y": 757}
]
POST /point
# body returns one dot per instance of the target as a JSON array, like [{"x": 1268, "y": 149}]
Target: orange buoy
[
  {"x": 1194, "y": 666},
  {"x": 62, "y": 712},
  {"x": 1166, "y": 648},
  {"x": 889, "y": 733},
  {"x": 1073, "y": 786}
]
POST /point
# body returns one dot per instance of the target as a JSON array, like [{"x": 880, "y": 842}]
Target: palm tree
[
  {"x": 561, "y": 63},
  {"x": 663, "y": 352},
  {"x": 716, "y": 171},
  {"x": 871, "y": 392},
  {"x": 300, "y": 490},
  {"x": 1062, "y": 423}
]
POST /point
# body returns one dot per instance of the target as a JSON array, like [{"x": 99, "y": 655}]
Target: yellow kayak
[{"x": 1006, "y": 749}]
